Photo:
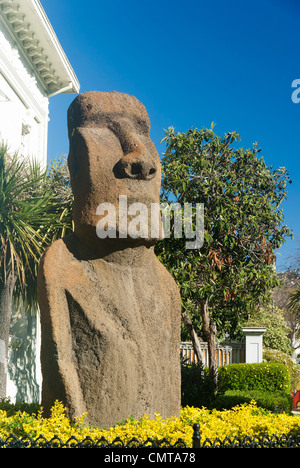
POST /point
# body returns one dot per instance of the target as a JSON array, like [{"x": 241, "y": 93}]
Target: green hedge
[
  {"x": 267, "y": 383},
  {"x": 13, "y": 408},
  {"x": 266, "y": 376},
  {"x": 274, "y": 355},
  {"x": 276, "y": 402}
]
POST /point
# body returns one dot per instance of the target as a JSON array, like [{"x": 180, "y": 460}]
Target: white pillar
[{"x": 254, "y": 344}]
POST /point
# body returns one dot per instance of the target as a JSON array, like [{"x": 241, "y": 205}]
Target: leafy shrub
[
  {"x": 243, "y": 420},
  {"x": 267, "y": 383},
  {"x": 196, "y": 385},
  {"x": 265, "y": 376},
  {"x": 275, "y": 402},
  {"x": 274, "y": 355},
  {"x": 12, "y": 408}
]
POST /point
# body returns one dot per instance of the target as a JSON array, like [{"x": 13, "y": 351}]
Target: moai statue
[{"x": 110, "y": 311}]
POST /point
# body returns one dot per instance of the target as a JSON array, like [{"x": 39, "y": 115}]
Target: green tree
[
  {"x": 233, "y": 272},
  {"x": 32, "y": 214},
  {"x": 276, "y": 336}
]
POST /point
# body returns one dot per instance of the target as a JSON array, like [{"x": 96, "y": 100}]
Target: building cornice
[{"x": 30, "y": 28}]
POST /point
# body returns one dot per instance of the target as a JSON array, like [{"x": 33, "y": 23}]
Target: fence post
[{"x": 196, "y": 436}]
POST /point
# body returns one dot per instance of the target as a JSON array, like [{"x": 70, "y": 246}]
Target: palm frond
[
  {"x": 35, "y": 209},
  {"x": 294, "y": 302}
]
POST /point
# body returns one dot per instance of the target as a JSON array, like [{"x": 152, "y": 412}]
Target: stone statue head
[{"x": 111, "y": 156}]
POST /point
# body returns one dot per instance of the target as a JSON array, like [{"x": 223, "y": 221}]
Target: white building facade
[{"x": 33, "y": 68}]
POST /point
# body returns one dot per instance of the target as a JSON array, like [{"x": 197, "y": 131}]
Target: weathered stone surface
[{"x": 110, "y": 311}]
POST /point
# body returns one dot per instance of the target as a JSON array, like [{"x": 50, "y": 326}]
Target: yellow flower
[{"x": 243, "y": 420}]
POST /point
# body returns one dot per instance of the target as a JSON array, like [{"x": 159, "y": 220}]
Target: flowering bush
[{"x": 242, "y": 420}]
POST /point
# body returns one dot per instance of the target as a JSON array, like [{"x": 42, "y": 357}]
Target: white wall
[
  {"x": 23, "y": 103},
  {"x": 23, "y": 127}
]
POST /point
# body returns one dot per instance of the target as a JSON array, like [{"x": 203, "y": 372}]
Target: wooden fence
[{"x": 225, "y": 353}]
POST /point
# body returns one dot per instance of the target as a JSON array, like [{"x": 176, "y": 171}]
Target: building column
[{"x": 254, "y": 344}]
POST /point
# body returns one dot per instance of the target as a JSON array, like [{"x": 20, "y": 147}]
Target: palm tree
[
  {"x": 294, "y": 308},
  {"x": 294, "y": 314},
  {"x": 294, "y": 302},
  {"x": 32, "y": 214}
]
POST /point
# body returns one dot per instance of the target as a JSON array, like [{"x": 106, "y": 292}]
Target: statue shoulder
[
  {"x": 55, "y": 260},
  {"x": 165, "y": 274}
]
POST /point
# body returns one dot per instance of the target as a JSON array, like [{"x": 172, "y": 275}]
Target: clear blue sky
[{"x": 190, "y": 63}]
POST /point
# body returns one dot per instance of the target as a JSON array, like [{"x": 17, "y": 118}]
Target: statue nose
[
  {"x": 136, "y": 168},
  {"x": 136, "y": 165}
]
